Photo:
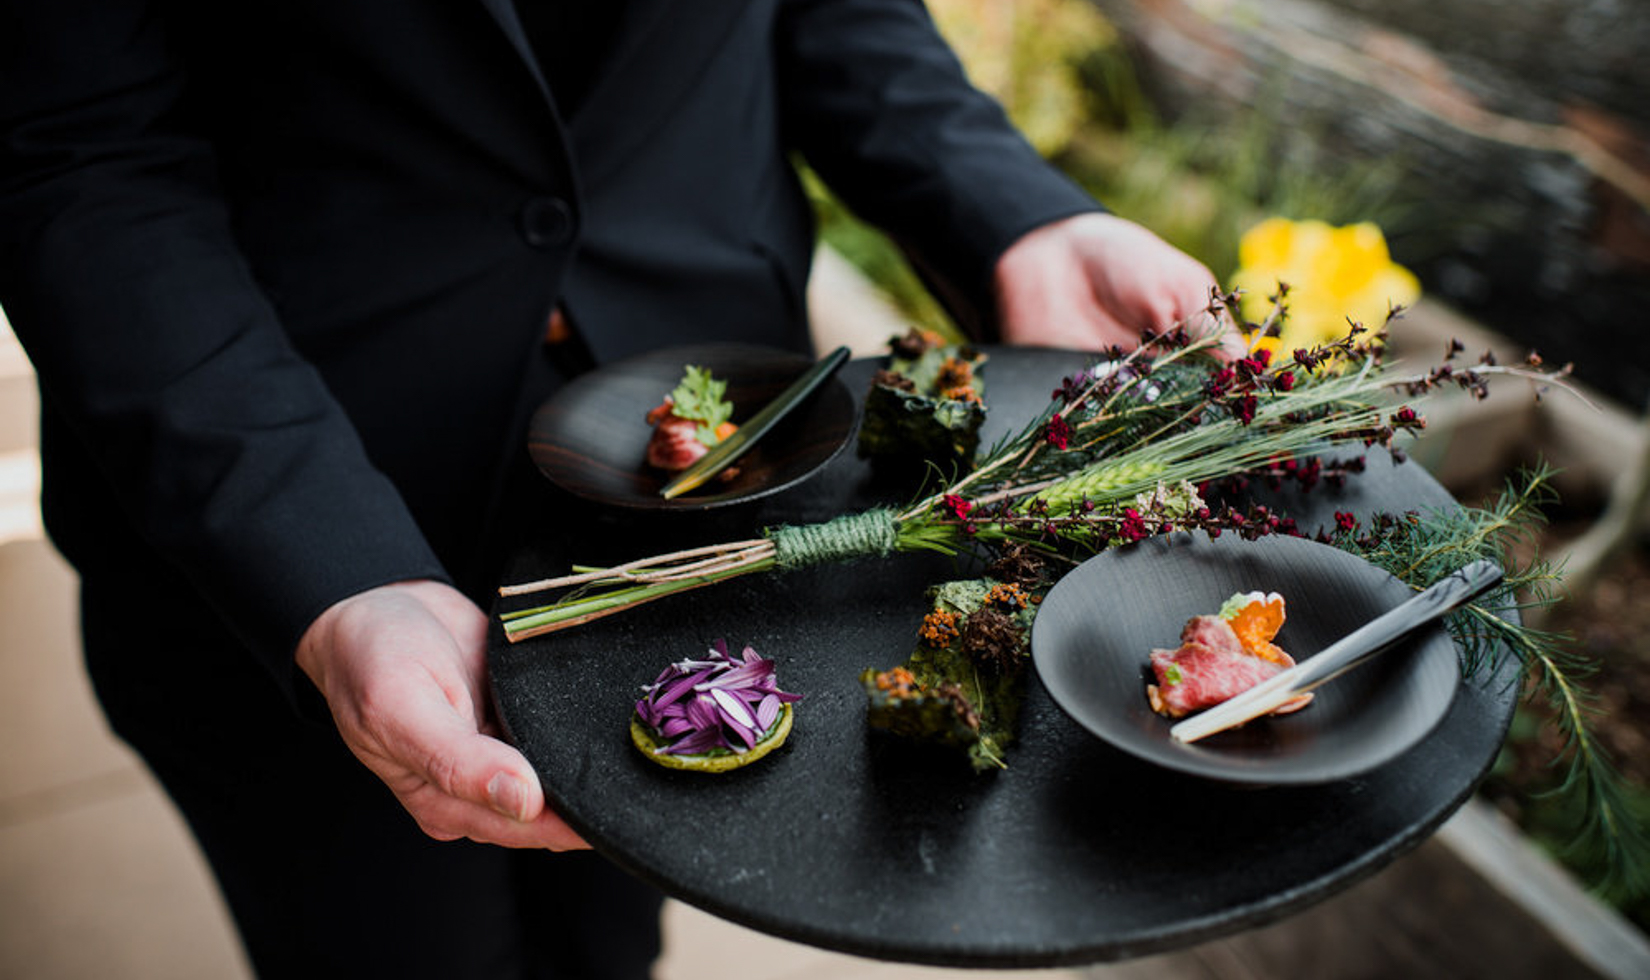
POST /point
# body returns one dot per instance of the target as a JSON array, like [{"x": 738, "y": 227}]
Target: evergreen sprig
[{"x": 1606, "y": 834}]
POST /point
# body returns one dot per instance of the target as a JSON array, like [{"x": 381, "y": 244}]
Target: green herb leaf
[{"x": 700, "y": 397}]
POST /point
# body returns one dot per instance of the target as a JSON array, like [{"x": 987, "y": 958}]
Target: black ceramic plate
[
  {"x": 590, "y": 438},
  {"x": 1095, "y": 632}
]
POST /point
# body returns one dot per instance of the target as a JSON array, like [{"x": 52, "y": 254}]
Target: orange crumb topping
[
  {"x": 898, "y": 682},
  {"x": 938, "y": 628},
  {"x": 1007, "y": 594},
  {"x": 954, "y": 373}
]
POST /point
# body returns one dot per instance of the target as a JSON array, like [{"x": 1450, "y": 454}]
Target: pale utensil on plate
[{"x": 1344, "y": 654}]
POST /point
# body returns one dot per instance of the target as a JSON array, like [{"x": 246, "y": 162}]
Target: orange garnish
[
  {"x": 1270, "y": 651},
  {"x": 724, "y": 430},
  {"x": 1255, "y": 625}
]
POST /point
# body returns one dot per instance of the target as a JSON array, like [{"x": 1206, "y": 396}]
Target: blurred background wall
[{"x": 1514, "y": 136}]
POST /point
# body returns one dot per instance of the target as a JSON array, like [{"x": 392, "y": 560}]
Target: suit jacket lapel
[
  {"x": 660, "y": 46},
  {"x": 504, "y": 11}
]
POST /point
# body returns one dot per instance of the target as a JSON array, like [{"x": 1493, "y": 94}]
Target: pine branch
[{"x": 1606, "y": 833}]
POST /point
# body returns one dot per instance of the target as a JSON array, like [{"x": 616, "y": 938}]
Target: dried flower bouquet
[{"x": 1118, "y": 454}]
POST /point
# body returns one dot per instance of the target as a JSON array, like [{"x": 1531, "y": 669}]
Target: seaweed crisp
[
  {"x": 962, "y": 686},
  {"x": 927, "y": 406}
]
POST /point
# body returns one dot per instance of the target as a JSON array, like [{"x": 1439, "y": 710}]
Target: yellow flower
[{"x": 1334, "y": 274}]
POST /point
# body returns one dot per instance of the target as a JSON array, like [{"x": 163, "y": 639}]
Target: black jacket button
[{"x": 546, "y": 222}]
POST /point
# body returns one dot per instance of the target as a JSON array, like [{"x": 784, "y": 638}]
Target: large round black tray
[{"x": 844, "y": 839}]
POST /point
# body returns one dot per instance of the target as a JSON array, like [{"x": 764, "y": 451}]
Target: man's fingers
[
  {"x": 446, "y": 817},
  {"x": 1095, "y": 280},
  {"x": 402, "y": 667},
  {"x": 1231, "y": 343},
  {"x": 429, "y": 738},
  {"x": 464, "y": 784},
  {"x": 1056, "y": 307},
  {"x": 454, "y": 780},
  {"x": 483, "y": 771}
]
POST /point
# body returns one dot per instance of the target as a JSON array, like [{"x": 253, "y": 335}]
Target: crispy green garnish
[
  {"x": 701, "y": 398},
  {"x": 963, "y": 684},
  {"x": 927, "y": 406},
  {"x": 1231, "y": 607}
]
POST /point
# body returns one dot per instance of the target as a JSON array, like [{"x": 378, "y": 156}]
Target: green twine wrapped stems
[
  {"x": 1195, "y": 456},
  {"x": 595, "y": 593},
  {"x": 862, "y": 535}
]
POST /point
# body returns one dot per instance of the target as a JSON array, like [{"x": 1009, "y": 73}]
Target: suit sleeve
[
  {"x": 881, "y": 108},
  {"x": 120, "y": 273}
]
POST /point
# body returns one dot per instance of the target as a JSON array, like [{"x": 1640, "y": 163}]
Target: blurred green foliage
[
  {"x": 877, "y": 257},
  {"x": 1202, "y": 181},
  {"x": 1028, "y": 54},
  {"x": 1065, "y": 78},
  {"x": 1533, "y": 794}
]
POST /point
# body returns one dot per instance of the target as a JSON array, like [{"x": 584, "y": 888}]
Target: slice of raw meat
[
  {"x": 1197, "y": 676},
  {"x": 1213, "y": 632}
]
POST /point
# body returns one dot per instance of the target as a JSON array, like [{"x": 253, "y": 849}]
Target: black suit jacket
[{"x": 284, "y": 266}]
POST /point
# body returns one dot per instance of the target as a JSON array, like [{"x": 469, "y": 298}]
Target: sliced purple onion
[
  {"x": 767, "y": 712},
  {"x": 732, "y": 707},
  {"x": 717, "y": 702}
]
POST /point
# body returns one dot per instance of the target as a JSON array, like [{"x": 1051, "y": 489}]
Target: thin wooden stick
[
  {"x": 712, "y": 566},
  {"x": 1020, "y": 491},
  {"x": 533, "y": 631},
  {"x": 703, "y": 566},
  {"x": 617, "y": 571}
]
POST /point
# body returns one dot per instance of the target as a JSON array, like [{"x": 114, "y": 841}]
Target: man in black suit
[{"x": 284, "y": 269}]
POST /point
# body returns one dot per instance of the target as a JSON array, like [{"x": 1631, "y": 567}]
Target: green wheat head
[{"x": 1105, "y": 482}]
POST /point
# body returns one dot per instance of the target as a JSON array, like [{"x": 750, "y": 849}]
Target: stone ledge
[{"x": 1493, "y": 846}]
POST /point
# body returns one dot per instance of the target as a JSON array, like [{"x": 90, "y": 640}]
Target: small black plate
[
  {"x": 590, "y": 438},
  {"x": 1095, "y": 632}
]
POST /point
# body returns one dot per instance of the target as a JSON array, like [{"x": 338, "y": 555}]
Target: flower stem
[
  {"x": 637, "y": 570},
  {"x": 525, "y": 623}
]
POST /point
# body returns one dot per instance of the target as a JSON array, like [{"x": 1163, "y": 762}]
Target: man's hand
[
  {"x": 403, "y": 669},
  {"x": 1095, "y": 280}
]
